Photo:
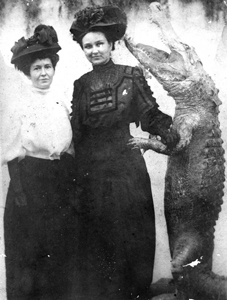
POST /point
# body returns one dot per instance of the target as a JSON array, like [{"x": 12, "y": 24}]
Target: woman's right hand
[
  {"x": 20, "y": 199},
  {"x": 14, "y": 173}
]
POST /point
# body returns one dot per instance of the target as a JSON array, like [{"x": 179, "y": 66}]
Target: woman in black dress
[
  {"x": 114, "y": 242},
  {"x": 39, "y": 156}
]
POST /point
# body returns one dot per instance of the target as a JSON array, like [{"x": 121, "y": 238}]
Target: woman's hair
[
  {"x": 108, "y": 34},
  {"x": 24, "y": 64}
]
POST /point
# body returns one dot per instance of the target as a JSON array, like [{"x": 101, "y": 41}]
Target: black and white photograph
[{"x": 113, "y": 150}]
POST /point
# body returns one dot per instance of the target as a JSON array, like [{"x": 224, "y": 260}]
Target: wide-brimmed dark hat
[
  {"x": 110, "y": 18},
  {"x": 44, "y": 39}
]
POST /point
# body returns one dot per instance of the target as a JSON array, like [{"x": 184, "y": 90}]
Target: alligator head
[
  {"x": 176, "y": 70},
  {"x": 181, "y": 74},
  {"x": 164, "y": 66}
]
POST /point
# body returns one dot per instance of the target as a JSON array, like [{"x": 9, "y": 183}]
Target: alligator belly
[{"x": 194, "y": 183}]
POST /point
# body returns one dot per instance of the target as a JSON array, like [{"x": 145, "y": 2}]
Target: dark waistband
[
  {"x": 37, "y": 159},
  {"x": 44, "y": 167}
]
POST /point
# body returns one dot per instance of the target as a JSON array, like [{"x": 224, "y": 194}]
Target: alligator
[{"x": 195, "y": 175}]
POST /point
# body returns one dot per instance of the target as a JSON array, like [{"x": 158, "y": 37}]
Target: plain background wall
[{"x": 210, "y": 41}]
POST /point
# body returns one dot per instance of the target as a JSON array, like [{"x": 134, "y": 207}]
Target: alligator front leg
[
  {"x": 145, "y": 144},
  {"x": 184, "y": 124}
]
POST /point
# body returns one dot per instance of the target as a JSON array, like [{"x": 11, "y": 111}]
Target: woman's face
[
  {"x": 42, "y": 73},
  {"x": 96, "y": 48}
]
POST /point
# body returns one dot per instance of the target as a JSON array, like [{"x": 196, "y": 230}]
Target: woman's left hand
[{"x": 170, "y": 138}]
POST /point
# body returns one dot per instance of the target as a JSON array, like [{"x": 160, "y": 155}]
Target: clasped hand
[
  {"x": 169, "y": 137},
  {"x": 20, "y": 199}
]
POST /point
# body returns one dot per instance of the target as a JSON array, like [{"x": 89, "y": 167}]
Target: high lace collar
[
  {"x": 40, "y": 91},
  {"x": 102, "y": 68}
]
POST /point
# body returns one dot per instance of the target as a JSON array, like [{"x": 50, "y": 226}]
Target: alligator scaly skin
[
  {"x": 195, "y": 174},
  {"x": 193, "y": 197}
]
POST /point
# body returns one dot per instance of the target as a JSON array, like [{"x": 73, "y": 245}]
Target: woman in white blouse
[{"x": 38, "y": 215}]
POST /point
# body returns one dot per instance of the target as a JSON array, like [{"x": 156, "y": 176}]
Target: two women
[
  {"x": 37, "y": 213},
  {"x": 114, "y": 241},
  {"x": 102, "y": 247}
]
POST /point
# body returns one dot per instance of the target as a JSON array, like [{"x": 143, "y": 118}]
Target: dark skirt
[
  {"x": 37, "y": 235},
  {"x": 114, "y": 242}
]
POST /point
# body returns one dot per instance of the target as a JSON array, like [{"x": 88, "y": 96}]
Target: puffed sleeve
[
  {"x": 142, "y": 94},
  {"x": 11, "y": 135},
  {"x": 151, "y": 118}
]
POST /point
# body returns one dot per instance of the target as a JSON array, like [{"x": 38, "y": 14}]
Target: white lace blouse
[{"x": 39, "y": 126}]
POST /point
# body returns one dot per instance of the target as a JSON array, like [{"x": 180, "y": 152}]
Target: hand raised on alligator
[
  {"x": 183, "y": 143},
  {"x": 170, "y": 138},
  {"x": 185, "y": 125}
]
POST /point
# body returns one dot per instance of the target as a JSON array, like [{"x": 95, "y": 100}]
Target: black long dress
[
  {"x": 37, "y": 235},
  {"x": 114, "y": 241}
]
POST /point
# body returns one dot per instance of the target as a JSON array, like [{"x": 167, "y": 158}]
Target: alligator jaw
[
  {"x": 145, "y": 51},
  {"x": 137, "y": 50},
  {"x": 164, "y": 66}
]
